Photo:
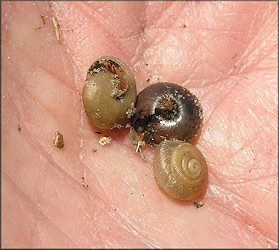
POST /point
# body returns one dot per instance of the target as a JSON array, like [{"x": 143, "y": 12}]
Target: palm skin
[{"x": 224, "y": 52}]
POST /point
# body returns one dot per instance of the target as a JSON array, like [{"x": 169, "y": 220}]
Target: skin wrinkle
[
  {"x": 146, "y": 232},
  {"x": 255, "y": 38},
  {"x": 246, "y": 180},
  {"x": 238, "y": 83},
  {"x": 96, "y": 232},
  {"x": 123, "y": 220},
  {"x": 30, "y": 96},
  {"x": 155, "y": 19},
  {"x": 157, "y": 40},
  {"x": 31, "y": 141},
  {"x": 44, "y": 69},
  {"x": 252, "y": 24},
  {"x": 260, "y": 46},
  {"x": 246, "y": 144},
  {"x": 249, "y": 52},
  {"x": 262, "y": 110},
  {"x": 131, "y": 36},
  {"x": 237, "y": 216},
  {"x": 221, "y": 35},
  {"x": 194, "y": 70},
  {"x": 193, "y": 49},
  {"x": 239, "y": 229},
  {"x": 133, "y": 17},
  {"x": 96, "y": 22},
  {"x": 247, "y": 236},
  {"x": 235, "y": 222},
  {"x": 107, "y": 204},
  {"x": 109, "y": 27},
  {"x": 200, "y": 36},
  {"x": 216, "y": 58},
  {"x": 135, "y": 58},
  {"x": 267, "y": 57},
  {"x": 230, "y": 125},
  {"x": 262, "y": 187},
  {"x": 37, "y": 208},
  {"x": 262, "y": 69},
  {"x": 223, "y": 31},
  {"x": 231, "y": 183},
  {"x": 246, "y": 69},
  {"x": 228, "y": 213},
  {"x": 90, "y": 170},
  {"x": 229, "y": 17},
  {"x": 136, "y": 232},
  {"x": 150, "y": 44},
  {"x": 260, "y": 234},
  {"x": 108, "y": 31},
  {"x": 49, "y": 73},
  {"x": 41, "y": 187},
  {"x": 100, "y": 184},
  {"x": 219, "y": 104},
  {"x": 235, "y": 155},
  {"x": 174, "y": 21}
]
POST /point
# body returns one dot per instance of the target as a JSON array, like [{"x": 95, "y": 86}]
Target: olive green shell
[{"x": 109, "y": 92}]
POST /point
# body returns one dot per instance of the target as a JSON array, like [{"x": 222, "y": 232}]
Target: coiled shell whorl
[{"x": 180, "y": 169}]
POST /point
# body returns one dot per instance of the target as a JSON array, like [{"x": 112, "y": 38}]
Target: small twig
[
  {"x": 136, "y": 142},
  {"x": 56, "y": 28}
]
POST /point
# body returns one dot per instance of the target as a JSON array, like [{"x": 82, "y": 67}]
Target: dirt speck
[
  {"x": 58, "y": 140},
  {"x": 84, "y": 183},
  {"x": 198, "y": 204},
  {"x": 43, "y": 19},
  {"x": 36, "y": 29},
  {"x": 104, "y": 140},
  {"x": 235, "y": 55}
]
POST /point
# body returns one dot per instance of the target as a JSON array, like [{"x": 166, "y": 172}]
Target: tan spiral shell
[{"x": 180, "y": 169}]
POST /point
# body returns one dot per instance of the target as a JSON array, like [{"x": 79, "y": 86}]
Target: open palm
[{"x": 223, "y": 52}]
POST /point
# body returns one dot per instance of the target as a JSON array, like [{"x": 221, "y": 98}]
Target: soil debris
[{"x": 58, "y": 140}]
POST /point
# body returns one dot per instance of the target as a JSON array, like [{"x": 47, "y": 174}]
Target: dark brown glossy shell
[
  {"x": 109, "y": 92},
  {"x": 167, "y": 111},
  {"x": 180, "y": 169}
]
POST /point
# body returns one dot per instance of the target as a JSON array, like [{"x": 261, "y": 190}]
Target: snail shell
[
  {"x": 109, "y": 92},
  {"x": 167, "y": 111},
  {"x": 180, "y": 169}
]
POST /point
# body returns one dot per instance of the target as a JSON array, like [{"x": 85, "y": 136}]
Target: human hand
[{"x": 223, "y": 52}]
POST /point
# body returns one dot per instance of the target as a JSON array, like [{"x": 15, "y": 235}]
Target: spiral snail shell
[
  {"x": 167, "y": 111},
  {"x": 180, "y": 169},
  {"x": 109, "y": 92}
]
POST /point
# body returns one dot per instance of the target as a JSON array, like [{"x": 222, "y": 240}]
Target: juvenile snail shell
[
  {"x": 167, "y": 111},
  {"x": 108, "y": 92},
  {"x": 180, "y": 169}
]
